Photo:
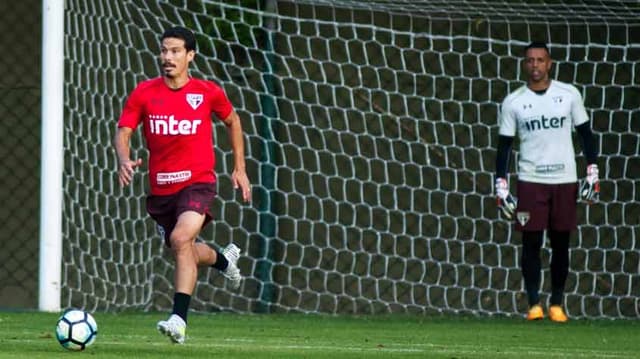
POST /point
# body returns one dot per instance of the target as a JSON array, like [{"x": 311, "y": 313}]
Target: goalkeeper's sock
[
  {"x": 221, "y": 261},
  {"x": 181, "y": 305},
  {"x": 559, "y": 264},
  {"x": 531, "y": 244}
]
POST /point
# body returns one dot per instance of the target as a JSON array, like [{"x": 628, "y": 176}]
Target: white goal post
[
  {"x": 371, "y": 129},
  {"x": 50, "y": 256}
]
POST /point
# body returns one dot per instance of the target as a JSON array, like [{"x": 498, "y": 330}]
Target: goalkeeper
[{"x": 542, "y": 114}]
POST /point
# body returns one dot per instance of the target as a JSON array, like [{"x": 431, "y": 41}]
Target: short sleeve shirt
[
  {"x": 177, "y": 127},
  {"x": 544, "y": 123}
]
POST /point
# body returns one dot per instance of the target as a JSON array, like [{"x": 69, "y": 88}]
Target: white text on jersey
[
  {"x": 168, "y": 125},
  {"x": 173, "y": 177}
]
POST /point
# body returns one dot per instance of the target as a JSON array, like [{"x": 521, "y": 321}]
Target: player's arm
[
  {"x": 126, "y": 167},
  {"x": 502, "y": 156},
  {"x": 590, "y": 189},
  {"x": 506, "y": 202},
  {"x": 129, "y": 120},
  {"x": 239, "y": 177},
  {"x": 588, "y": 144},
  {"x": 507, "y": 131}
]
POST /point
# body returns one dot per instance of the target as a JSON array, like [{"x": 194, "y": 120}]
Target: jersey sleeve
[
  {"x": 220, "y": 104},
  {"x": 578, "y": 112},
  {"x": 507, "y": 120},
  {"x": 132, "y": 111}
]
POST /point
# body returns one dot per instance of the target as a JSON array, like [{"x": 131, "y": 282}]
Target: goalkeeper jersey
[
  {"x": 178, "y": 130},
  {"x": 543, "y": 123}
]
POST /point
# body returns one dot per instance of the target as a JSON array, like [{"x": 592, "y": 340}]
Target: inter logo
[
  {"x": 195, "y": 99},
  {"x": 543, "y": 123},
  {"x": 169, "y": 125}
]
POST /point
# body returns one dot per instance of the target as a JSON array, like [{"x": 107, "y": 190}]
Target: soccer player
[
  {"x": 175, "y": 113},
  {"x": 542, "y": 114}
]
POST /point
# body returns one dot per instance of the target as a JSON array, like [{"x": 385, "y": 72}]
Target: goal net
[{"x": 371, "y": 129}]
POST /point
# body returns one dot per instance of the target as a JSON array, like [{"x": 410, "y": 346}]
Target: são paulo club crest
[
  {"x": 523, "y": 218},
  {"x": 194, "y": 99}
]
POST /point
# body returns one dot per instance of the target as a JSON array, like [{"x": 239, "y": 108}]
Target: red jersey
[{"x": 178, "y": 130}]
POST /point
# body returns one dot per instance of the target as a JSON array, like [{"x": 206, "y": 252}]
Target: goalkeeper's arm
[
  {"x": 589, "y": 147},
  {"x": 506, "y": 202},
  {"x": 502, "y": 157},
  {"x": 590, "y": 189}
]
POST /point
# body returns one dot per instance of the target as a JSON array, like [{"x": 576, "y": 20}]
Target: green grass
[{"x": 133, "y": 335}]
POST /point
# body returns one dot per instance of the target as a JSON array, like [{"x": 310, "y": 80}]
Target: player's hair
[
  {"x": 537, "y": 45},
  {"x": 182, "y": 33}
]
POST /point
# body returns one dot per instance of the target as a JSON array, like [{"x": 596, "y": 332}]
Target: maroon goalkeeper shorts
[
  {"x": 546, "y": 206},
  {"x": 165, "y": 210}
]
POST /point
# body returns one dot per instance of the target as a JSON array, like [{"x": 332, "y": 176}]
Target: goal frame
[{"x": 52, "y": 156}]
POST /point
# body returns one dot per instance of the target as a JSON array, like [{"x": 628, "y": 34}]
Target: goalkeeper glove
[
  {"x": 590, "y": 189},
  {"x": 506, "y": 202}
]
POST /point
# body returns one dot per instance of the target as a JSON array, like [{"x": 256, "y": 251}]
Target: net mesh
[{"x": 371, "y": 130}]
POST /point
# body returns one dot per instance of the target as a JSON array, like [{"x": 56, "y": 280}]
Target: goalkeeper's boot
[
  {"x": 232, "y": 273},
  {"x": 174, "y": 327},
  {"x": 556, "y": 314},
  {"x": 535, "y": 312}
]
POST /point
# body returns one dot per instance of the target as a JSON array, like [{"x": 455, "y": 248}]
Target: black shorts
[
  {"x": 197, "y": 197},
  {"x": 546, "y": 206}
]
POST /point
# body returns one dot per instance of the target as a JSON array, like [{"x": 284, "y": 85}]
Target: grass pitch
[{"x": 133, "y": 335}]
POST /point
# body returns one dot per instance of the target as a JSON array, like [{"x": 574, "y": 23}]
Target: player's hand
[
  {"x": 126, "y": 170},
  {"x": 506, "y": 202},
  {"x": 240, "y": 180},
  {"x": 590, "y": 189}
]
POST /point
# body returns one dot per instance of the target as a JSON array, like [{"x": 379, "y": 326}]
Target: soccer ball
[{"x": 76, "y": 329}]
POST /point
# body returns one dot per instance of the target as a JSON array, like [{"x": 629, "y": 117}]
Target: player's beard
[
  {"x": 537, "y": 76},
  {"x": 167, "y": 71}
]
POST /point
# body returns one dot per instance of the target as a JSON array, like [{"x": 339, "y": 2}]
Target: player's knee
[{"x": 179, "y": 241}]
